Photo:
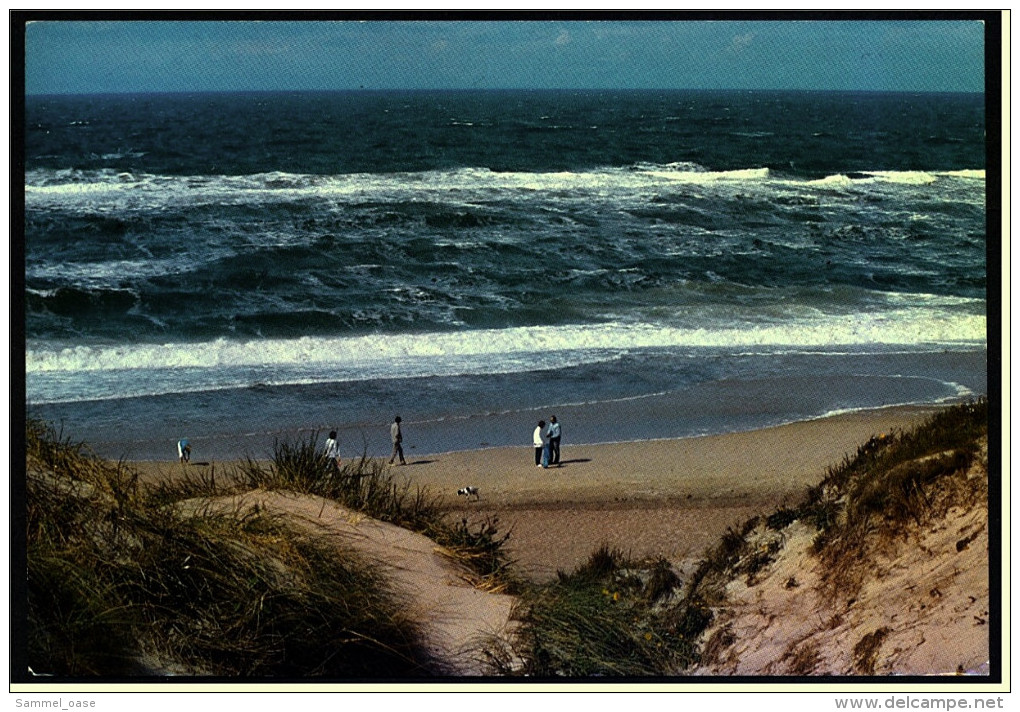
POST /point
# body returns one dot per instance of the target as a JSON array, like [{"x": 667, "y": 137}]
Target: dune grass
[
  {"x": 364, "y": 484},
  {"x": 367, "y": 485},
  {"x": 611, "y": 617},
  {"x": 122, "y": 583},
  {"x": 894, "y": 482}
]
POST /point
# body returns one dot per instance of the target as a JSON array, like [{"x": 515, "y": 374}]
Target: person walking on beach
[
  {"x": 398, "y": 438},
  {"x": 541, "y": 442},
  {"x": 333, "y": 449},
  {"x": 554, "y": 441},
  {"x": 184, "y": 450}
]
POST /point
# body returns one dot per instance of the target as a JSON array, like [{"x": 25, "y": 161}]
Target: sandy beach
[
  {"x": 667, "y": 498},
  {"x": 670, "y": 498}
]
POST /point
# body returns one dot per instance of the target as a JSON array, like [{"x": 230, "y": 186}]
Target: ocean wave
[
  {"x": 68, "y": 301},
  {"x": 500, "y": 347},
  {"x": 105, "y": 189},
  {"x": 100, "y": 275},
  {"x": 746, "y": 174},
  {"x": 904, "y": 177},
  {"x": 859, "y": 179},
  {"x": 973, "y": 174}
]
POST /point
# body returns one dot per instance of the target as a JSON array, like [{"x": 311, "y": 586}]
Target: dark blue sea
[{"x": 240, "y": 269}]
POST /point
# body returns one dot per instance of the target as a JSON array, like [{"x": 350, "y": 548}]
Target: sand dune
[
  {"x": 457, "y": 617},
  {"x": 668, "y": 498}
]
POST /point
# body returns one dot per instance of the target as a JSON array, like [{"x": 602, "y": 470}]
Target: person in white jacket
[
  {"x": 333, "y": 449},
  {"x": 539, "y": 439},
  {"x": 184, "y": 450}
]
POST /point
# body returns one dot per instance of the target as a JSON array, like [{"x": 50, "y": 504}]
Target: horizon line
[{"x": 378, "y": 90}]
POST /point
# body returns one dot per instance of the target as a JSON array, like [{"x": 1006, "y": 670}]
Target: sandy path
[{"x": 457, "y": 618}]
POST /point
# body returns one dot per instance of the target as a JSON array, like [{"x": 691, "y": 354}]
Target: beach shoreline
[
  {"x": 670, "y": 497},
  {"x": 442, "y": 415}
]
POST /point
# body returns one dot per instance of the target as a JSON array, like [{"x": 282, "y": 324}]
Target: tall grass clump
[
  {"x": 364, "y": 484},
  {"x": 481, "y": 548},
  {"x": 742, "y": 552},
  {"x": 897, "y": 480},
  {"x": 252, "y": 598},
  {"x": 77, "y": 622},
  {"x": 368, "y": 486},
  {"x": 610, "y": 617},
  {"x": 121, "y": 583},
  {"x": 955, "y": 429}
]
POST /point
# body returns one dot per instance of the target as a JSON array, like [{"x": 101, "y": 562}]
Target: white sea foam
[
  {"x": 834, "y": 181},
  {"x": 106, "y": 189},
  {"x": 904, "y": 177},
  {"x": 977, "y": 174},
  {"x": 867, "y": 178},
  {"x": 748, "y": 174},
  {"x": 503, "y": 348},
  {"x": 103, "y": 274}
]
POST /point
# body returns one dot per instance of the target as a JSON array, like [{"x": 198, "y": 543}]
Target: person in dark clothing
[
  {"x": 398, "y": 438},
  {"x": 554, "y": 441}
]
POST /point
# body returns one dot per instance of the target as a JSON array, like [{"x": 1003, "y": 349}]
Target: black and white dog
[{"x": 468, "y": 491}]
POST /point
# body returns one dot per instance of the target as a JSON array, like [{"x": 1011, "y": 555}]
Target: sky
[{"x": 83, "y": 57}]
